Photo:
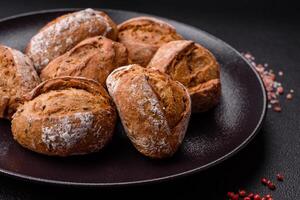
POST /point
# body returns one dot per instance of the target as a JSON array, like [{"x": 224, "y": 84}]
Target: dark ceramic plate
[{"x": 211, "y": 137}]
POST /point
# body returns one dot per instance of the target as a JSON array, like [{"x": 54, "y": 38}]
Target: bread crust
[
  {"x": 195, "y": 67},
  {"x": 17, "y": 77},
  {"x": 63, "y": 33},
  {"x": 142, "y": 36},
  {"x": 93, "y": 58},
  {"x": 154, "y": 109},
  {"x": 65, "y": 116}
]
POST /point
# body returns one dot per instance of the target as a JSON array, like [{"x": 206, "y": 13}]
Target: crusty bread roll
[
  {"x": 17, "y": 77},
  {"x": 195, "y": 67},
  {"x": 154, "y": 109},
  {"x": 93, "y": 58},
  {"x": 65, "y": 116},
  {"x": 143, "y": 36},
  {"x": 63, "y": 33}
]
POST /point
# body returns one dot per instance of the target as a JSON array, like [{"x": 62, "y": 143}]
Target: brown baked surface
[
  {"x": 17, "y": 77},
  {"x": 65, "y": 116},
  {"x": 143, "y": 36},
  {"x": 93, "y": 58},
  {"x": 63, "y": 33},
  {"x": 154, "y": 109},
  {"x": 195, "y": 67}
]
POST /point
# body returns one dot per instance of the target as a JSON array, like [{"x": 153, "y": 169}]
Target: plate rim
[{"x": 23, "y": 177}]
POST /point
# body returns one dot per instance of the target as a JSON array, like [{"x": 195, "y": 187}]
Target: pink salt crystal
[
  {"x": 277, "y": 108},
  {"x": 280, "y": 90},
  {"x": 259, "y": 69},
  {"x": 273, "y": 101},
  {"x": 272, "y": 76},
  {"x": 247, "y": 56},
  {"x": 273, "y": 88},
  {"x": 289, "y": 96},
  {"x": 273, "y": 95},
  {"x": 269, "y": 97},
  {"x": 259, "y": 66}
]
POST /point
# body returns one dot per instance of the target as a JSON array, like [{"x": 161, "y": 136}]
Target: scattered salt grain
[
  {"x": 289, "y": 96},
  {"x": 277, "y": 108},
  {"x": 280, "y": 90},
  {"x": 273, "y": 87}
]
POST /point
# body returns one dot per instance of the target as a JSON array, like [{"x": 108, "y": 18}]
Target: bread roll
[
  {"x": 154, "y": 109},
  {"x": 93, "y": 58},
  {"x": 195, "y": 67},
  {"x": 65, "y": 116},
  {"x": 17, "y": 77},
  {"x": 63, "y": 33},
  {"x": 142, "y": 36}
]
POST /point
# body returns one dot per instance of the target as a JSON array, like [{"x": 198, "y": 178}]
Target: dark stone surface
[{"x": 273, "y": 37}]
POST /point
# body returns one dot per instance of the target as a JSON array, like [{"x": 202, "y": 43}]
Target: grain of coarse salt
[{"x": 273, "y": 87}]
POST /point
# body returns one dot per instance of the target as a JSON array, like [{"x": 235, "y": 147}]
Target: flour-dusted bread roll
[
  {"x": 154, "y": 109},
  {"x": 143, "y": 36},
  {"x": 93, "y": 58},
  {"x": 17, "y": 77},
  {"x": 195, "y": 67},
  {"x": 65, "y": 116},
  {"x": 63, "y": 33}
]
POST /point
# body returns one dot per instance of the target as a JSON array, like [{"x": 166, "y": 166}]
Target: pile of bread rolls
[{"x": 81, "y": 71}]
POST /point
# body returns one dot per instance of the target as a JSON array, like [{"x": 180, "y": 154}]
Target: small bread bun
[
  {"x": 142, "y": 36},
  {"x": 65, "y": 116},
  {"x": 195, "y": 67},
  {"x": 63, "y": 33},
  {"x": 17, "y": 77},
  {"x": 93, "y": 58},
  {"x": 154, "y": 109}
]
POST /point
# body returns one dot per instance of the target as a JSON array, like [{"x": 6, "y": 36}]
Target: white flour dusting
[
  {"x": 56, "y": 36},
  {"x": 157, "y": 118},
  {"x": 24, "y": 69},
  {"x": 153, "y": 145},
  {"x": 141, "y": 94},
  {"x": 65, "y": 133},
  {"x": 112, "y": 80}
]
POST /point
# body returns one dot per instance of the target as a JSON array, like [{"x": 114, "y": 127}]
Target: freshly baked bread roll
[
  {"x": 63, "y": 33},
  {"x": 17, "y": 77},
  {"x": 65, "y": 116},
  {"x": 143, "y": 36},
  {"x": 93, "y": 58},
  {"x": 195, "y": 67},
  {"x": 154, "y": 109}
]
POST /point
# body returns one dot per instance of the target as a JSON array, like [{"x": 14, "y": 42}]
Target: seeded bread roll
[
  {"x": 154, "y": 109},
  {"x": 63, "y": 33},
  {"x": 93, "y": 58},
  {"x": 195, "y": 67},
  {"x": 65, "y": 116},
  {"x": 142, "y": 36},
  {"x": 17, "y": 77}
]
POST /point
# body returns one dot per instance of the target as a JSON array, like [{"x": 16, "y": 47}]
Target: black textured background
[{"x": 271, "y": 31}]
